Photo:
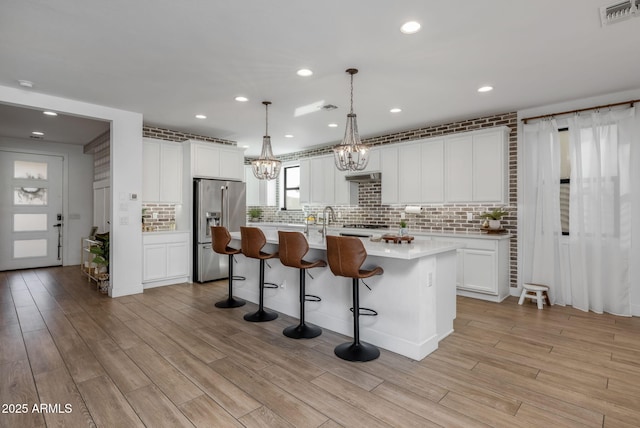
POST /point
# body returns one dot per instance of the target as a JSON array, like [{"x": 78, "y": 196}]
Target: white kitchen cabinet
[
  {"x": 259, "y": 192},
  {"x": 432, "y": 171},
  {"x": 390, "y": 174},
  {"x": 161, "y": 171},
  {"x": 212, "y": 160},
  {"x": 345, "y": 192},
  {"x": 483, "y": 268},
  {"x": 476, "y": 166},
  {"x": 305, "y": 181},
  {"x": 459, "y": 161},
  {"x": 409, "y": 173},
  {"x": 317, "y": 180},
  {"x": 165, "y": 258}
]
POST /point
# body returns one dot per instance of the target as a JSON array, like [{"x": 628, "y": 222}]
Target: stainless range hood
[{"x": 364, "y": 177}]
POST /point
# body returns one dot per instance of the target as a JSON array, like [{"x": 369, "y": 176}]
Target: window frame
[{"x": 284, "y": 187}]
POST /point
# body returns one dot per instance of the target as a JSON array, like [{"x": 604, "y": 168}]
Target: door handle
[{"x": 57, "y": 225}]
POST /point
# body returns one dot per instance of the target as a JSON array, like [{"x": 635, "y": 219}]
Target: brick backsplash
[
  {"x": 171, "y": 135},
  {"x": 432, "y": 218},
  {"x": 166, "y": 216}
]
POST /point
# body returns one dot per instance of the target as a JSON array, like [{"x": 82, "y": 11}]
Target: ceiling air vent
[
  {"x": 328, "y": 107},
  {"x": 619, "y": 11}
]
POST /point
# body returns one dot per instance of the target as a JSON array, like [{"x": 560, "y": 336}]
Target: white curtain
[
  {"x": 542, "y": 232},
  {"x": 600, "y": 210}
]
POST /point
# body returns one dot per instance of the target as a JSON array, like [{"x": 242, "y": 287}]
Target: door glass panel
[
  {"x": 25, "y": 169},
  {"x": 29, "y": 222},
  {"x": 29, "y": 248},
  {"x": 30, "y": 196}
]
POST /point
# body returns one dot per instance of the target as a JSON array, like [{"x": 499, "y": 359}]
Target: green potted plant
[
  {"x": 403, "y": 227},
  {"x": 493, "y": 217},
  {"x": 255, "y": 213}
]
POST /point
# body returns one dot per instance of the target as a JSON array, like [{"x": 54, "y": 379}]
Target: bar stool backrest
[
  {"x": 252, "y": 241},
  {"x": 220, "y": 239},
  {"x": 345, "y": 254},
  {"x": 293, "y": 247}
]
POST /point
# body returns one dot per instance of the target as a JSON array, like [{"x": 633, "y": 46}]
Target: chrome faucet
[{"x": 326, "y": 220}]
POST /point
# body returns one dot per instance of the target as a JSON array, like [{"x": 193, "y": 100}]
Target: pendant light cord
[
  {"x": 266, "y": 121},
  {"x": 351, "y": 94}
]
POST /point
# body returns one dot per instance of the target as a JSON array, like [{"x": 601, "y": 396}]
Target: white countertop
[
  {"x": 335, "y": 230},
  {"x": 418, "y": 248}
]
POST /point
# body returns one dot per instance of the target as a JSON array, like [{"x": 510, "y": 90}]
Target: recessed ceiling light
[
  {"x": 410, "y": 27},
  {"x": 200, "y": 116},
  {"x": 304, "y": 72},
  {"x": 26, "y": 83},
  {"x": 333, "y": 125},
  {"x": 288, "y": 135},
  {"x": 395, "y": 110},
  {"x": 38, "y": 133},
  {"x": 485, "y": 89},
  {"x": 50, "y": 113},
  {"x": 241, "y": 99}
]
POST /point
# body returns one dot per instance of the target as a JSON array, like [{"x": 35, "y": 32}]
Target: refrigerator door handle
[{"x": 224, "y": 206}]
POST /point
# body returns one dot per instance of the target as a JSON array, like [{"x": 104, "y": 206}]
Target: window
[{"x": 292, "y": 188}]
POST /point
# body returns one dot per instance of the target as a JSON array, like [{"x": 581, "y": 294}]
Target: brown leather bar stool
[
  {"x": 293, "y": 247},
  {"x": 220, "y": 239},
  {"x": 252, "y": 242},
  {"x": 346, "y": 254}
]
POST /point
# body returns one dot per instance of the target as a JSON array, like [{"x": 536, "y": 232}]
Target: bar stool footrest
[
  {"x": 367, "y": 312},
  {"x": 239, "y": 278},
  {"x": 312, "y": 298},
  {"x": 270, "y": 285}
]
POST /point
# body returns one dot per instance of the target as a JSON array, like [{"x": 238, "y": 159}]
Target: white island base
[{"x": 415, "y": 297}]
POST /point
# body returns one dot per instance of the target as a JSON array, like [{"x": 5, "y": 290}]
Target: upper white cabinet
[
  {"x": 413, "y": 173},
  {"x": 469, "y": 167},
  {"x": 372, "y": 166},
  {"x": 476, "y": 166},
  {"x": 259, "y": 192},
  {"x": 161, "y": 171},
  {"x": 211, "y": 160},
  {"x": 317, "y": 180}
]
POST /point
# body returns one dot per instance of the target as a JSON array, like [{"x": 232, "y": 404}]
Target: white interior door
[{"x": 30, "y": 210}]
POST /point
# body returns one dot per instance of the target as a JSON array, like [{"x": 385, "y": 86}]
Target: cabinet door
[
  {"x": 205, "y": 161},
  {"x": 409, "y": 169},
  {"x": 177, "y": 259},
  {"x": 432, "y": 161},
  {"x": 459, "y": 163},
  {"x": 259, "y": 192},
  {"x": 305, "y": 181},
  {"x": 321, "y": 181},
  {"x": 372, "y": 166},
  {"x": 150, "y": 171},
  {"x": 154, "y": 258},
  {"x": 479, "y": 268},
  {"x": 389, "y": 169},
  {"x": 232, "y": 164},
  {"x": 489, "y": 167},
  {"x": 170, "y": 174}
]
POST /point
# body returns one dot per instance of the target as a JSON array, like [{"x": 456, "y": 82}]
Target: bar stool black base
[
  {"x": 357, "y": 351},
  {"x": 302, "y": 331},
  {"x": 230, "y": 302},
  {"x": 260, "y": 316}
]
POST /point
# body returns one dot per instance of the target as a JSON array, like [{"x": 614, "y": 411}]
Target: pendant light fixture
[
  {"x": 351, "y": 154},
  {"x": 266, "y": 167}
]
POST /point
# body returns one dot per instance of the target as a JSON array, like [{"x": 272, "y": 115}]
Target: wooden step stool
[{"x": 535, "y": 291}]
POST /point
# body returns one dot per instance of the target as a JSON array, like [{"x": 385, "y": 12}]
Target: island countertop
[{"x": 418, "y": 248}]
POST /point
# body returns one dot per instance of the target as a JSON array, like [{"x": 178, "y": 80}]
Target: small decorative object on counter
[
  {"x": 494, "y": 216},
  {"x": 403, "y": 227},
  {"x": 255, "y": 214}
]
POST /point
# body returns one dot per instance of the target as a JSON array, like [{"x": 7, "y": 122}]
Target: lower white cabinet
[
  {"x": 483, "y": 268},
  {"x": 165, "y": 258}
]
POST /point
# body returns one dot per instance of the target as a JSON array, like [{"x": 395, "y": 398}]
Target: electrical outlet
[
  {"x": 284, "y": 284},
  {"x": 469, "y": 216},
  {"x": 154, "y": 215},
  {"x": 403, "y": 215}
]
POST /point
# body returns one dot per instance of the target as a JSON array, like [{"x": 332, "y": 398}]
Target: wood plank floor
[{"x": 169, "y": 358}]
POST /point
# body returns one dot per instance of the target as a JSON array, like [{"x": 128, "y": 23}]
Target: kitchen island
[{"x": 415, "y": 297}]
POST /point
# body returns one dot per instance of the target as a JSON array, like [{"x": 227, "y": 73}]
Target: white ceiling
[{"x": 171, "y": 60}]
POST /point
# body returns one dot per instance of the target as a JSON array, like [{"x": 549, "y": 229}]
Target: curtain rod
[{"x": 632, "y": 102}]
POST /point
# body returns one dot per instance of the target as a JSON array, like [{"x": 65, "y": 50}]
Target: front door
[{"x": 30, "y": 210}]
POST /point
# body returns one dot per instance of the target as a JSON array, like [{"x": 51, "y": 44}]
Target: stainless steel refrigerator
[{"x": 216, "y": 203}]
